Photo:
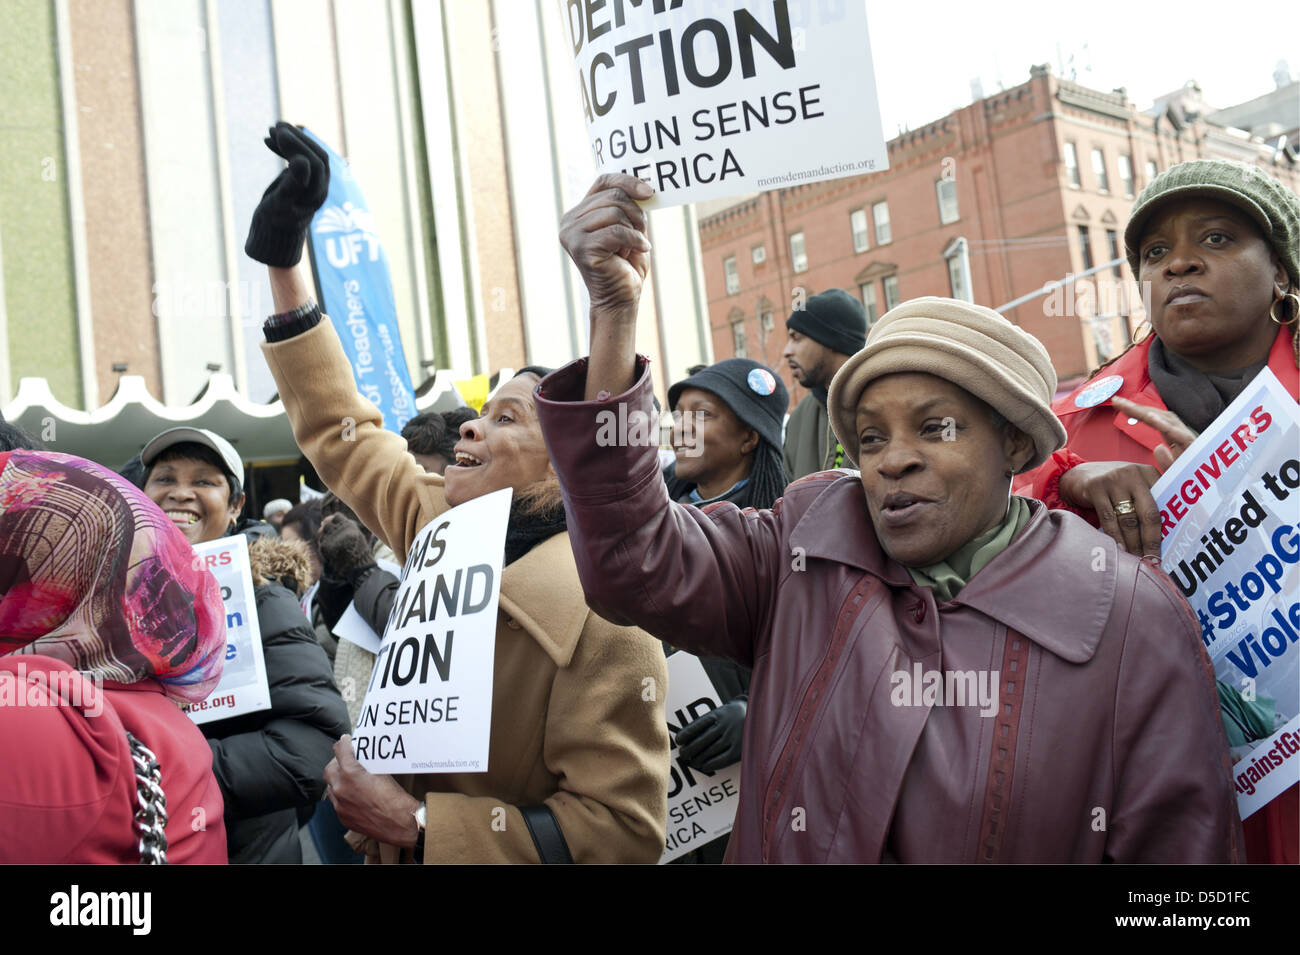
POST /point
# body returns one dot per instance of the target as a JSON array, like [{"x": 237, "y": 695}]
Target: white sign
[
  {"x": 351, "y": 626},
  {"x": 243, "y": 687},
  {"x": 1230, "y": 508},
  {"x": 710, "y": 100},
  {"x": 701, "y": 806},
  {"x": 428, "y": 707}
]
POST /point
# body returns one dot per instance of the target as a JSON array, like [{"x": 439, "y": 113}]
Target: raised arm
[
  {"x": 339, "y": 431},
  {"x": 706, "y": 580}
]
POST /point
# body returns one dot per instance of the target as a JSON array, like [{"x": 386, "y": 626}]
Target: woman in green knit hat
[{"x": 1215, "y": 247}]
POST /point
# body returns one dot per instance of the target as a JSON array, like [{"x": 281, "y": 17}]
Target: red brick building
[{"x": 990, "y": 203}]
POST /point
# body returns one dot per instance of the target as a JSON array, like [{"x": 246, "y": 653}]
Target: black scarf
[
  {"x": 1195, "y": 396},
  {"x": 821, "y": 394},
  {"x": 526, "y": 531}
]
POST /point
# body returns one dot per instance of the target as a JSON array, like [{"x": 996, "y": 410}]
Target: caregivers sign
[
  {"x": 428, "y": 706},
  {"x": 704, "y": 100},
  {"x": 1230, "y": 508}
]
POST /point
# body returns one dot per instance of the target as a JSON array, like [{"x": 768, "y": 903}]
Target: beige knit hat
[{"x": 971, "y": 346}]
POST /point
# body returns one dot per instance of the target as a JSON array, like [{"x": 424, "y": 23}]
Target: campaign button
[
  {"x": 1098, "y": 391},
  {"x": 761, "y": 381}
]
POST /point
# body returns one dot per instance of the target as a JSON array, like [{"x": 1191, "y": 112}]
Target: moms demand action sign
[
  {"x": 701, "y": 805},
  {"x": 428, "y": 706},
  {"x": 704, "y": 100},
  {"x": 1230, "y": 508}
]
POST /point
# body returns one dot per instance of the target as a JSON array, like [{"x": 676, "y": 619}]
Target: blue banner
[{"x": 357, "y": 294}]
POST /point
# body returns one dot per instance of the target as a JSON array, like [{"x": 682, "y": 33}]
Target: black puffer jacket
[{"x": 269, "y": 763}]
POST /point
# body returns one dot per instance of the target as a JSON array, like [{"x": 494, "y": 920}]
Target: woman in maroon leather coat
[{"x": 941, "y": 672}]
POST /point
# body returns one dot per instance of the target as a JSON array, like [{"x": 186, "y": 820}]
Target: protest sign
[
  {"x": 428, "y": 706},
  {"x": 710, "y": 100},
  {"x": 701, "y": 806},
  {"x": 1230, "y": 512},
  {"x": 351, "y": 626},
  {"x": 243, "y": 687}
]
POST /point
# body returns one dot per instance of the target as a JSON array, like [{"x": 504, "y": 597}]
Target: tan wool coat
[{"x": 577, "y": 723}]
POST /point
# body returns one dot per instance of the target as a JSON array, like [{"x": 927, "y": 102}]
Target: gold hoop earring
[
  {"x": 1138, "y": 341},
  {"x": 1293, "y": 309}
]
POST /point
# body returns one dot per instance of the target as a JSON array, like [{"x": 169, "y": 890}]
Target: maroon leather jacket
[{"x": 1104, "y": 743}]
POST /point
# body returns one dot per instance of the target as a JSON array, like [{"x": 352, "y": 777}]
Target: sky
[{"x": 925, "y": 52}]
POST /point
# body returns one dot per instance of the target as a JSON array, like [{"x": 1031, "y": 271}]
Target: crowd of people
[{"x": 928, "y": 505}]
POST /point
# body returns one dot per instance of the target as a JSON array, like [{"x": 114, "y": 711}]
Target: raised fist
[
  {"x": 280, "y": 221},
  {"x": 605, "y": 236}
]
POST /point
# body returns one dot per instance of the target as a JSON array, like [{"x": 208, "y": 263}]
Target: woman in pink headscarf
[{"x": 107, "y": 628}]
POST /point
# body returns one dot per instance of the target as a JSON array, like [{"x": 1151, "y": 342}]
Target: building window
[
  {"x": 765, "y": 319},
  {"x": 1112, "y": 242},
  {"x": 798, "y": 256},
  {"x": 1152, "y": 170},
  {"x": 880, "y": 212},
  {"x": 958, "y": 258},
  {"x": 1072, "y": 164},
  {"x": 759, "y": 254},
  {"x": 1086, "y": 245},
  {"x": 891, "y": 291},
  {"x": 1102, "y": 338},
  {"x": 733, "y": 276},
  {"x": 858, "y": 225},
  {"x": 738, "y": 339},
  {"x": 946, "y": 189},
  {"x": 1099, "y": 170},
  {"x": 1126, "y": 175},
  {"x": 868, "y": 292}
]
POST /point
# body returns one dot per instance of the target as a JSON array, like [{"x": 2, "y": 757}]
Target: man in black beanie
[{"x": 830, "y": 327}]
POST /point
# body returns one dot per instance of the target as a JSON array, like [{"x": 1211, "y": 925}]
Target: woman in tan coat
[{"x": 578, "y": 758}]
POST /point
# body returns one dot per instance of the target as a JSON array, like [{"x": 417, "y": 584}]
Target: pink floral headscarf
[{"x": 93, "y": 573}]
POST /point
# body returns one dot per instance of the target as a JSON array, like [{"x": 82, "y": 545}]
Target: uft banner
[
  {"x": 1230, "y": 508},
  {"x": 428, "y": 707},
  {"x": 706, "y": 100},
  {"x": 357, "y": 294}
]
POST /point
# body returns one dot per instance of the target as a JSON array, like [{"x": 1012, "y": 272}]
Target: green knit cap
[{"x": 1272, "y": 206}]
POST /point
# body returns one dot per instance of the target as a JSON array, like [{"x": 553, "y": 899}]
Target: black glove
[
  {"x": 281, "y": 219},
  {"x": 344, "y": 546},
  {"x": 713, "y": 741}
]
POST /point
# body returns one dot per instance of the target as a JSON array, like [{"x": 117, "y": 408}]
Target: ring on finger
[{"x": 1124, "y": 508}]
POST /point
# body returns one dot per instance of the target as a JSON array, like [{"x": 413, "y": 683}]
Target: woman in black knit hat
[
  {"x": 727, "y": 440},
  {"x": 727, "y": 435}
]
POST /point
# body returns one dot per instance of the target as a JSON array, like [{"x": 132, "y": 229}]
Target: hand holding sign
[
  {"x": 369, "y": 803},
  {"x": 605, "y": 236},
  {"x": 1120, "y": 493},
  {"x": 712, "y": 742}
]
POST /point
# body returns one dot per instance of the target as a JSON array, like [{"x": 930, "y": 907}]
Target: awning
[{"x": 118, "y": 430}]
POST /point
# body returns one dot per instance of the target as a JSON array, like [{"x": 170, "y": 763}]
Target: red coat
[
  {"x": 67, "y": 793},
  {"x": 1099, "y": 433}
]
